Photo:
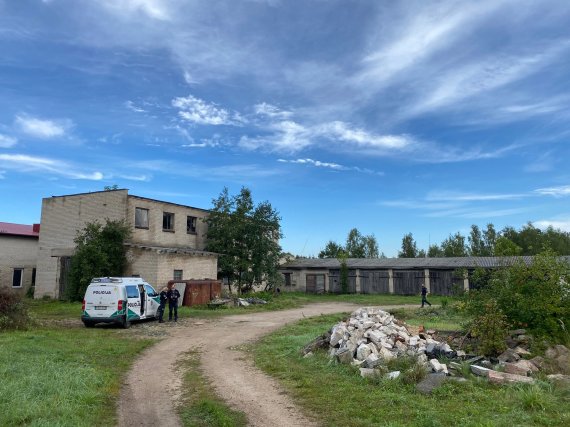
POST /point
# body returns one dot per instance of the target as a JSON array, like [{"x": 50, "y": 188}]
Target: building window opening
[
  {"x": 287, "y": 277},
  {"x": 141, "y": 218},
  {"x": 178, "y": 274},
  {"x": 17, "y": 277},
  {"x": 167, "y": 221},
  {"x": 191, "y": 224}
]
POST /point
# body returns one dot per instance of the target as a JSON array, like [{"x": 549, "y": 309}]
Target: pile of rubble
[{"x": 371, "y": 337}]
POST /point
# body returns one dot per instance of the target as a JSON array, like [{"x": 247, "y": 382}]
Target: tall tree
[
  {"x": 331, "y": 250},
  {"x": 454, "y": 246},
  {"x": 409, "y": 247},
  {"x": 476, "y": 242},
  {"x": 489, "y": 240},
  {"x": 435, "y": 251},
  {"x": 246, "y": 237},
  {"x": 506, "y": 247},
  {"x": 100, "y": 252}
]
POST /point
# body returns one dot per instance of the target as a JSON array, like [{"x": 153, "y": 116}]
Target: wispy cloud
[
  {"x": 329, "y": 165},
  {"x": 27, "y": 163},
  {"x": 562, "y": 223},
  {"x": 560, "y": 191},
  {"x": 131, "y": 106},
  {"x": 155, "y": 9},
  {"x": 7, "y": 141},
  {"x": 196, "y": 110},
  {"x": 470, "y": 197},
  {"x": 42, "y": 128},
  {"x": 265, "y": 109}
]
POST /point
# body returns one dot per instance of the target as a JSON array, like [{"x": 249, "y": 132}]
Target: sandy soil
[{"x": 153, "y": 385}]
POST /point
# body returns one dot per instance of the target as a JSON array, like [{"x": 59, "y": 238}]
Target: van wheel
[
  {"x": 126, "y": 322},
  {"x": 88, "y": 324}
]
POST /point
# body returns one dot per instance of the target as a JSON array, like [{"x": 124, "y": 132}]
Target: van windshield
[{"x": 132, "y": 292}]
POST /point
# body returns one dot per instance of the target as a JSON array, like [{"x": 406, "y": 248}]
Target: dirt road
[{"x": 153, "y": 384}]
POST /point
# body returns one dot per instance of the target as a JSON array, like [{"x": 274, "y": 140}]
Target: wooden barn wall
[
  {"x": 374, "y": 281},
  {"x": 444, "y": 282},
  {"x": 408, "y": 282},
  {"x": 334, "y": 281}
]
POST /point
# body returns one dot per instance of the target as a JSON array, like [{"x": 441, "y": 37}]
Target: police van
[{"x": 119, "y": 300}]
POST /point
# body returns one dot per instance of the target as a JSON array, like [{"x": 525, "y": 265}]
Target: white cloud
[
  {"x": 196, "y": 110},
  {"x": 131, "y": 106},
  {"x": 189, "y": 79},
  {"x": 265, "y": 109},
  {"x": 316, "y": 163},
  {"x": 562, "y": 223},
  {"x": 42, "y": 128},
  {"x": 470, "y": 197},
  {"x": 7, "y": 141},
  {"x": 26, "y": 163},
  {"x": 155, "y": 9},
  {"x": 560, "y": 191}
]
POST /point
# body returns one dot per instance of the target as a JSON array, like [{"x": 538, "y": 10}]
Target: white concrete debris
[{"x": 372, "y": 336}]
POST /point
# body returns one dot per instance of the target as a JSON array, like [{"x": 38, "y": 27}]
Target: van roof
[{"x": 118, "y": 280}]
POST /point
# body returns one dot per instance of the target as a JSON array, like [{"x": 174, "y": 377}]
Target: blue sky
[{"x": 392, "y": 117}]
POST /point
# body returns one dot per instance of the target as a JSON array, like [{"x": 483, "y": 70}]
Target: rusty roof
[{"x": 18, "y": 229}]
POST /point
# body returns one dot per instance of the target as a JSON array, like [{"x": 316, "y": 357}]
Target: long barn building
[{"x": 401, "y": 276}]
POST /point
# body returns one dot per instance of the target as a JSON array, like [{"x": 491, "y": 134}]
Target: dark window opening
[
  {"x": 287, "y": 279},
  {"x": 178, "y": 274},
  {"x": 17, "y": 277},
  {"x": 191, "y": 224},
  {"x": 167, "y": 221}
]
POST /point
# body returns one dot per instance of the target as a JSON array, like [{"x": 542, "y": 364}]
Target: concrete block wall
[
  {"x": 61, "y": 218},
  {"x": 155, "y": 235},
  {"x": 17, "y": 252}
]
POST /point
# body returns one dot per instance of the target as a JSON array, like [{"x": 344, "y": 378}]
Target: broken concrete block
[
  {"x": 509, "y": 356},
  {"x": 517, "y": 332},
  {"x": 480, "y": 371},
  {"x": 521, "y": 351},
  {"x": 527, "y": 365},
  {"x": 392, "y": 375},
  {"x": 461, "y": 353},
  {"x": 372, "y": 361},
  {"x": 363, "y": 351},
  {"x": 496, "y": 377},
  {"x": 368, "y": 372},
  {"x": 430, "y": 382},
  {"x": 435, "y": 365},
  {"x": 537, "y": 361},
  {"x": 513, "y": 368},
  {"x": 337, "y": 335},
  {"x": 559, "y": 378}
]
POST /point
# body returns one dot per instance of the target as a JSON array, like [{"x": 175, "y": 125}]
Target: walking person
[
  {"x": 173, "y": 296},
  {"x": 162, "y": 304},
  {"x": 424, "y": 295}
]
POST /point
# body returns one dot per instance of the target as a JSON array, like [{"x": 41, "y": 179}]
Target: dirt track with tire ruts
[{"x": 153, "y": 385}]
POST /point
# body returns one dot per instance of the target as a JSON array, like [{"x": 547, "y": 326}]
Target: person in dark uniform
[
  {"x": 143, "y": 298},
  {"x": 173, "y": 296},
  {"x": 424, "y": 296},
  {"x": 162, "y": 304}
]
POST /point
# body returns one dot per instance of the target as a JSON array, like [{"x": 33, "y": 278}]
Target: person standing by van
[
  {"x": 162, "y": 304},
  {"x": 173, "y": 296}
]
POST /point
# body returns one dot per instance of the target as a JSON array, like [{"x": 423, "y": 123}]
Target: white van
[{"x": 119, "y": 300}]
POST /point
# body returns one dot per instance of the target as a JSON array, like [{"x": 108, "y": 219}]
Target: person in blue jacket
[{"x": 173, "y": 296}]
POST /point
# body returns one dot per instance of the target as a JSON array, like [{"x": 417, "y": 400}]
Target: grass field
[
  {"x": 200, "y": 406},
  {"x": 338, "y": 396}
]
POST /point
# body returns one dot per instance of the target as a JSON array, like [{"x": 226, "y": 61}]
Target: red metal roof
[{"x": 19, "y": 229}]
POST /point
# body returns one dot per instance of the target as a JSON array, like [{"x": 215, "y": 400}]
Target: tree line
[{"x": 528, "y": 240}]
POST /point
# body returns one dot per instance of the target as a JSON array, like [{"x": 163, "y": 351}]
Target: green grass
[
  {"x": 431, "y": 318},
  {"x": 201, "y": 407},
  {"x": 288, "y": 300},
  {"x": 63, "y": 377},
  {"x": 338, "y": 396},
  {"x": 52, "y": 309}
]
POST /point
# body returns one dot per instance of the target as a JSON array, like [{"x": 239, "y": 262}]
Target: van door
[
  {"x": 134, "y": 302},
  {"x": 152, "y": 300},
  {"x": 101, "y": 300}
]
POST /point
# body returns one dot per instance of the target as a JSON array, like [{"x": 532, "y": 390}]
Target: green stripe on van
[{"x": 132, "y": 315}]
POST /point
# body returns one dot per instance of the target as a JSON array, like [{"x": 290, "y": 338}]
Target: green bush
[
  {"x": 13, "y": 311},
  {"x": 490, "y": 327},
  {"x": 534, "y": 296}
]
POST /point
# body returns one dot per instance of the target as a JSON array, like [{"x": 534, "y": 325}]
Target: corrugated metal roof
[
  {"x": 171, "y": 250},
  {"x": 409, "y": 263},
  {"x": 18, "y": 229}
]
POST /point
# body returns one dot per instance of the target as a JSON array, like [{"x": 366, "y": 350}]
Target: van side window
[
  {"x": 150, "y": 291},
  {"x": 132, "y": 292}
]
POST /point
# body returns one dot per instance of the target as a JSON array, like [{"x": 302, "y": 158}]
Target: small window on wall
[
  {"x": 178, "y": 274},
  {"x": 141, "y": 218},
  {"x": 167, "y": 221},
  {"x": 191, "y": 224},
  {"x": 17, "y": 277},
  {"x": 287, "y": 279}
]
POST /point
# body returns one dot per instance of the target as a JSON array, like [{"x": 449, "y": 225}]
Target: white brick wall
[{"x": 17, "y": 252}]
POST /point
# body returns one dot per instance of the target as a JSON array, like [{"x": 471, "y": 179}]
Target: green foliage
[
  {"x": 490, "y": 326},
  {"x": 357, "y": 246},
  {"x": 454, "y": 246},
  {"x": 247, "y": 238},
  {"x": 435, "y": 251},
  {"x": 506, "y": 247},
  {"x": 534, "y": 296},
  {"x": 100, "y": 252},
  {"x": 409, "y": 247},
  {"x": 343, "y": 273},
  {"x": 13, "y": 311}
]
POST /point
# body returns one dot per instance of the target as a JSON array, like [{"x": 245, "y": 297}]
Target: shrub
[
  {"x": 534, "y": 296},
  {"x": 490, "y": 326},
  {"x": 13, "y": 311}
]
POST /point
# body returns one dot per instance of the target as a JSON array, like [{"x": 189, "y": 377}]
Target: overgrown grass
[
  {"x": 63, "y": 377},
  {"x": 436, "y": 318},
  {"x": 201, "y": 407},
  {"x": 338, "y": 396},
  {"x": 42, "y": 309},
  {"x": 288, "y": 300}
]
